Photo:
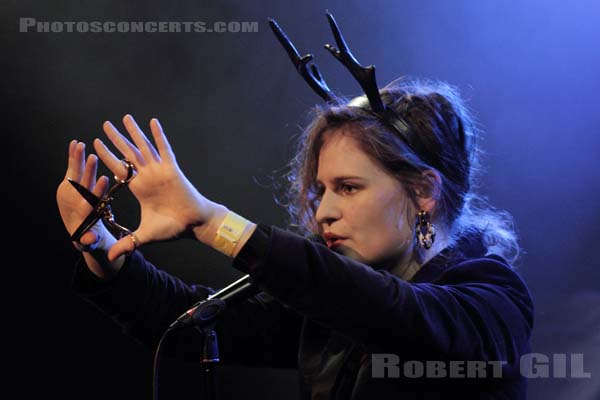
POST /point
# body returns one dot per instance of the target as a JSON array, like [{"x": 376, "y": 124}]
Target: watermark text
[
  {"x": 31, "y": 25},
  {"x": 531, "y": 365}
]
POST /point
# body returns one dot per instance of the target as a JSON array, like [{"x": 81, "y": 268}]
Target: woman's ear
[{"x": 428, "y": 191}]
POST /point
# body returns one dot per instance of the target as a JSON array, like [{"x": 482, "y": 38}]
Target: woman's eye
[
  {"x": 345, "y": 189},
  {"x": 348, "y": 188}
]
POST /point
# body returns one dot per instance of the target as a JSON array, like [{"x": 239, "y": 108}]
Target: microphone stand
[{"x": 205, "y": 317}]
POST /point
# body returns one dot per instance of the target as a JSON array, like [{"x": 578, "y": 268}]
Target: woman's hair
[{"x": 442, "y": 137}]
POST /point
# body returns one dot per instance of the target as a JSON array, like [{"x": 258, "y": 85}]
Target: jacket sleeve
[
  {"x": 142, "y": 299},
  {"x": 145, "y": 300},
  {"x": 476, "y": 310}
]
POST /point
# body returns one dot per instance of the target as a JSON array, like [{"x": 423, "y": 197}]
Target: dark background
[{"x": 231, "y": 103}]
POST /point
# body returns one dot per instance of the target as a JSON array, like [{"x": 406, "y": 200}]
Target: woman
[{"x": 416, "y": 272}]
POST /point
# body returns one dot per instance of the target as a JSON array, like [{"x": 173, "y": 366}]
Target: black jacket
[{"x": 333, "y": 318}]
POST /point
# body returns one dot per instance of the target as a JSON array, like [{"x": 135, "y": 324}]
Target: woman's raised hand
[
  {"x": 74, "y": 208},
  {"x": 171, "y": 207}
]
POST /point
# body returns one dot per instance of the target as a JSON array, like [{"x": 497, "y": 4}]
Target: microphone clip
[{"x": 203, "y": 315}]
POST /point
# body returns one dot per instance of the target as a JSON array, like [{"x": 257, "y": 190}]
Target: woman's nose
[{"x": 328, "y": 210}]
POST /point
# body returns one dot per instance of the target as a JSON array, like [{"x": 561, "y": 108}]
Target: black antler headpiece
[{"x": 364, "y": 75}]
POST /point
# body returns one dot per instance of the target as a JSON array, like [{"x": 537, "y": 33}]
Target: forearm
[
  {"x": 386, "y": 313},
  {"x": 141, "y": 298}
]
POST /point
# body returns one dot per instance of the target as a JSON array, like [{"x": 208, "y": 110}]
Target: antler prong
[
  {"x": 311, "y": 75},
  {"x": 364, "y": 75}
]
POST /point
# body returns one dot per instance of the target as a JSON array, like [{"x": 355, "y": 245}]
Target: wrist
[
  {"x": 230, "y": 234},
  {"x": 97, "y": 258},
  {"x": 225, "y": 231},
  {"x": 206, "y": 232}
]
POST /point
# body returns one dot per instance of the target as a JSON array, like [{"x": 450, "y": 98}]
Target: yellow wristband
[{"x": 229, "y": 233}]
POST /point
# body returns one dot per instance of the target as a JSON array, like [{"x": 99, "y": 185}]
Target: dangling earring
[{"x": 425, "y": 230}]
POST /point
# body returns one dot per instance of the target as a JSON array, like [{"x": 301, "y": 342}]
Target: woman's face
[{"x": 360, "y": 203}]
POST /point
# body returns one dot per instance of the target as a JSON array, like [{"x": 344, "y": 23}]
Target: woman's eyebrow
[{"x": 339, "y": 179}]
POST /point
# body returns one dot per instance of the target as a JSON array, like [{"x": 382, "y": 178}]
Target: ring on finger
[{"x": 131, "y": 172}]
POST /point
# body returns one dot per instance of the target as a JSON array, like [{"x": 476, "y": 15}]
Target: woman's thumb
[
  {"x": 126, "y": 245},
  {"x": 89, "y": 239}
]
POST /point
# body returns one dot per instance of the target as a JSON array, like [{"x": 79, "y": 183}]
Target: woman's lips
[
  {"x": 333, "y": 239},
  {"x": 334, "y": 242}
]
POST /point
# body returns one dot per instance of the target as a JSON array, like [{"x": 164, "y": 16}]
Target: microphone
[
  {"x": 229, "y": 295},
  {"x": 238, "y": 290}
]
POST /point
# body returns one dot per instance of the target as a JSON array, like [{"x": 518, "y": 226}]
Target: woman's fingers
[
  {"x": 101, "y": 186},
  {"x": 88, "y": 179},
  {"x": 69, "y": 173},
  {"x": 122, "y": 144},
  {"x": 85, "y": 172},
  {"x": 110, "y": 160},
  {"x": 76, "y": 163},
  {"x": 164, "y": 148},
  {"x": 140, "y": 139}
]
